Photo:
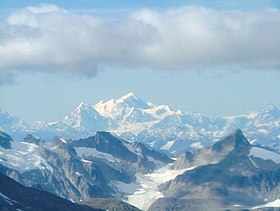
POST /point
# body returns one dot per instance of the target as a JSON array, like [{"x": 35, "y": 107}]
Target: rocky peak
[
  {"x": 5, "y": 140},
  {"x": 268, "y": 113},
  {"x": 31, "y": 139},
  {"x": 236, "y": 141}
]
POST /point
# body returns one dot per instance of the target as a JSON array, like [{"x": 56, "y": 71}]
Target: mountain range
[
  {"x": 157, "y": 126},
  {"x": 231, "y": 174},
  {"x": 77, "y": 170}
]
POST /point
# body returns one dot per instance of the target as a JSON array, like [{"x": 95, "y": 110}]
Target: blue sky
[
  {"x": 86, "y": 4},
  {"x": 210, "y": 57}
]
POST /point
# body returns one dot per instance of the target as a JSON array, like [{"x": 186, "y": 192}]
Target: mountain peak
[
  {"x": 269, "y": 108},
  {"x": 268, "y": 113},
  {"x": 133, "y": 100},
  {"x": 86, "y": 117},
  {"x": 129, "y": 95},
  {"x": 83, "y": 106},
  {"x": 236, "y": 140},
  {"x": 5, "y": 140},
  {"x": 239, "y": 139}
]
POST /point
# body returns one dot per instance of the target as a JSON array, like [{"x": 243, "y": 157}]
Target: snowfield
[
  {"x": 92, "y": 152},
  {"x": 145, "y": 190},
  {"x": 23, "y": 157},
  {"x": 264, "y": 154}
]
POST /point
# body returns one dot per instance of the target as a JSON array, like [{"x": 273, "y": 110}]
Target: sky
[{"x": 212, "y": 57}]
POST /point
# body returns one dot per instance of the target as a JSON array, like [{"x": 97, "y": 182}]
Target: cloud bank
[{"x": 50, "y": 39}]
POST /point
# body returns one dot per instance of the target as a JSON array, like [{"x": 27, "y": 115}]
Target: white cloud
[{"x": 48, "y": 38}]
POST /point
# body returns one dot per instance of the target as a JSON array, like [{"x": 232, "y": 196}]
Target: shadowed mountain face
[
  {"x": 242, "y": 175},
  {"x": 14, "y": 196},
  {"x": 5, "y": 140}
]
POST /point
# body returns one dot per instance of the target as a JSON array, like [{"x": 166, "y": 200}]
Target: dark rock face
[
  {"x": 5, "y": 140},
  {"x": 109, "y": 204},
  {"x": 15, "y": 196},
  {"x": 107, "y": 143},
  {"x": 31, "y": 139},
  {"x": 238, "y": 178}
]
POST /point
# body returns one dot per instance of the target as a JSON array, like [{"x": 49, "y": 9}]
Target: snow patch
[
  {"x": 264, "y": 154},
  {"x": 168, "y": 145},
  {"x": 7, "y": 199},
  {"x": 63, "y": 140},
  {"x": 78, "y": 173},
  {"x": 92, "y": 152},
  {"x": 86, "y": 161},
  {"x": 197, "y": 145},
  {"x": 275, "y": 203},
  {"x": 23, "y": 157}
]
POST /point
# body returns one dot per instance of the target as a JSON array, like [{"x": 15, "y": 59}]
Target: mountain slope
[
  {"x": 245, "y": 175},
  {"x": 85, "y": 117},
  {"x": 14, "y": 196}
]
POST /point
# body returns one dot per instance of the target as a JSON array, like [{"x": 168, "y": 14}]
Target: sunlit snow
[
  {"x": 275, "y": 203},
  {"x": 23, "y": 157},
  {"x": 145, "y": 190}
]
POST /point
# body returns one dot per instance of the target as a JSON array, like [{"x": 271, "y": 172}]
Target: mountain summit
[
  {"x": 128, "y": 108},
  {"x": 132, "y": 100},
  {"x": 86, "y": 117}
]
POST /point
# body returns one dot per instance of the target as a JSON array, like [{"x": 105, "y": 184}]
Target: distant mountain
[
  {"x": 175, "y": 131},
  {"x": 84, "y": 121},
  {"x": 5, "y": 140},
  {"x": 77, "y": 170},
  {"x": 127, "y": 109},
  {"x": 13, "y": 125},
  {"x": 14, "y": 196},
  {"x": 159, "y": 127},
  {"x": 232, "y": 174},
  {"x": 86, "y": 118}
]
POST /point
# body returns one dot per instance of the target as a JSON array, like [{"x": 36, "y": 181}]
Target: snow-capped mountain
[
  {"x": 175, "y": 131},
  {"x": 127, "y": 109},
  {"x": 85, "y": 117},
  {"x": 157, "y": 126},
  {"x": 84, "y": 121},
  {"x": 13, "y": 125}
]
